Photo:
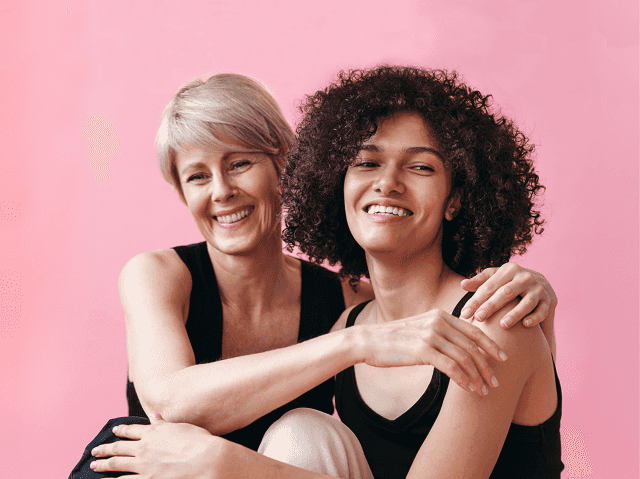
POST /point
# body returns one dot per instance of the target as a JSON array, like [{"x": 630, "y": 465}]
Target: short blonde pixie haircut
[{"x": 227, "y": 110}]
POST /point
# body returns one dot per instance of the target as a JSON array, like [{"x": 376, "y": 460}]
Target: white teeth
[
  {"x": 234, "y": 217},
  {"x": 387, "y": 210}
]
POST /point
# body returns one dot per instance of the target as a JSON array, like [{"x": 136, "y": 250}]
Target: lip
[
  {"x": 235, "y": 224},
  {"x": 387, "y": 203},
  {"x": 234, "y": 210}
]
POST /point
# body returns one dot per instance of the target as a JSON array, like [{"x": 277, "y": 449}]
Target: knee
[
  {"x": 317, "y": 442},
  {"x": 298, "y": 435}
]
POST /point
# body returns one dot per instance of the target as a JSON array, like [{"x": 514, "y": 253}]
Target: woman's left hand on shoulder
[{"x": 496, "y": 287}]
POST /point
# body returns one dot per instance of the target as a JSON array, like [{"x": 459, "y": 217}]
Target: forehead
[
  {"x": 212, "y": 152},
  {"x": 406, "y": 128}
]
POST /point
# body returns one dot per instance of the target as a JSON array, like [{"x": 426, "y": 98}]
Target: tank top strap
[
  {"x": 196, "y": 258},
  {"x": 204, "y": 323},
  {"x": 321, "y": 300},
  {"x": 458, "y": 309},
  {"x": 353, "y": 314}
]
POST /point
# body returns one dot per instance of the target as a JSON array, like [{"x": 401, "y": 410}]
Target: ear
[{"x": 453, "y": 207}]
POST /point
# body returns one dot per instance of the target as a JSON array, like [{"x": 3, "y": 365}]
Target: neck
[
  {"x": 405, "y": 288},
  {"x": 255, "y": 281}
]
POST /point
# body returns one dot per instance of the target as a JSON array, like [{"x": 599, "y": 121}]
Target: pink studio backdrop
[{"x": 83, "y": 86}]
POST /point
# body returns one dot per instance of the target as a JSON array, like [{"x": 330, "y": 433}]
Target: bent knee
[
  {"x": 298, "y": 434},
  {"x": 315, "y": 441}
]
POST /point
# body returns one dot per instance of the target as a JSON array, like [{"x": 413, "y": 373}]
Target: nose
[
  {"x": 388, "y": 181},
  {"x": 222, "y": 187}
]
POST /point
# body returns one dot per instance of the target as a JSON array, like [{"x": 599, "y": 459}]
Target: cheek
[
  {"x": 194, "y": 203},
  {"x": 350, "y": 192},
  {"x": 268, "y": 193}
]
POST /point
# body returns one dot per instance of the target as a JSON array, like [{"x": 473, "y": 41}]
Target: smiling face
[
  {"x": 232, "y": 195},
  {"x": 396, "y": 192}
]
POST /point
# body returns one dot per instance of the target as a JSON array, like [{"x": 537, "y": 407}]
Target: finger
[
  {"x": 503, "y": 296},
  {"x": 466, "y": 353},
  {"x": 465, "y": 363},
  {"x": 473, "y": 283},
  {"x": 509, "y": 276},
  {"x": 533, "y": 304},
  {"x": 118, "y": 448},
  {"x": 121, "y": 464},
  {"x": 484, "y": 291},
  {"x": 448, "y": 366},
  {"x": 476, "y": 335},
  {"x": 537, "y": 315},
  {"x": 130, "y": 431}
]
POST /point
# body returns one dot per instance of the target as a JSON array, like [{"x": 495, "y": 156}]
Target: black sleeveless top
[
  {"x": 390, "y": 446},
  {"x": 322, "y": 302}
]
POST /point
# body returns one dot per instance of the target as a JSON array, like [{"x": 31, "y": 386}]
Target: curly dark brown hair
[{"x": 490, "y": 162}]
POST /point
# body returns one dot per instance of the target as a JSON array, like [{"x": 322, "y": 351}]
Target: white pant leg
[{"x": 317, "y": 442}]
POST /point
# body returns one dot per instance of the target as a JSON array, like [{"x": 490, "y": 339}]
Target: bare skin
[
  {"x": 260, "y": 317},
  {"x": 398, "y": 294}
]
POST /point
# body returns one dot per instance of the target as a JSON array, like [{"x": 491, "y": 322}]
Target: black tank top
[
  {"x": 322, "y": 302},
  {"x": 390, "y": 446}
]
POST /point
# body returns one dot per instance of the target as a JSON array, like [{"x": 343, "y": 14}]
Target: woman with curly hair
[
  {"x": 406, "y": 176},
  {"x": 389, "y": 166}
]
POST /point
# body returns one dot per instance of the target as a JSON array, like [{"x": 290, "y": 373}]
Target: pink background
[{"x": 83, "y": 86}]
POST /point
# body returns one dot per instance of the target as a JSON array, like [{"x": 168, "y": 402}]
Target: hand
[
  {"x": 160, "y": 450},
  {"x": 495, "y": 287},
  {"x": 436, "y": 338}
]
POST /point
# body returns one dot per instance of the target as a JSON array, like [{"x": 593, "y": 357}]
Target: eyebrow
[
  {"x": 412, "y": 150},
  {"x": 191, "y": 165},
  {"x": 225, "y": 157}
]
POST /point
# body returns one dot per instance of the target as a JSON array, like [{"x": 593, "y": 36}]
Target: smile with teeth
[
  {"x": 388, "y": 210},
  {"x": 235, "y": 216}
]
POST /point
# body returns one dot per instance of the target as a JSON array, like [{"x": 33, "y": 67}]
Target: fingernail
[
  {"x": 94, "y": 451},
  {"x": 464, "y": 282},
  {"x": 485, "y": 389},
  {"x": 466, "y": 313},
  {"x": 506, "y": 322},
  {"x": 502, "y": 355},
  {"x": 472, "y": 387},
  {"x": 527, "y": 322},
  {"x": 156, "y": 415},
  {"x": 115, "y": 429},
  {"x": 92, "y": 465},
  {"x": 494, "y": 382},
  {"x": 481, "y": 314}
]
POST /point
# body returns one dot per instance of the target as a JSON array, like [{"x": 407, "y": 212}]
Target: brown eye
[
  {"x": 425, "y": 168},
  {"x": 365, "y": 164}
]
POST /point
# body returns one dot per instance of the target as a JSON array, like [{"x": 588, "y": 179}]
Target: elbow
[
  {"x": 160, "y": 397},
  {"x": 177, "y": 404}
]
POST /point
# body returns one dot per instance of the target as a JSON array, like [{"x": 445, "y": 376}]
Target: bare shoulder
[
  {"x": 364, "y": 292},
  {"x": 155, "y": 272},
  {"x": 526, "y": 346}
]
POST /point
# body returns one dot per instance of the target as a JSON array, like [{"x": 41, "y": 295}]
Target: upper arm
[
  {"x": 154, "y": 290},
  {"x": 351, "y": 298},
  {"x": 468, "y": 435}
]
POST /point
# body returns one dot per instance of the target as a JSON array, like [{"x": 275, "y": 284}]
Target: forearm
[{"x": 227, "y": 395}]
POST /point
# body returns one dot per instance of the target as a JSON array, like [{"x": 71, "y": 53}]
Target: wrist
[{"x": 356, "y": 344}]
